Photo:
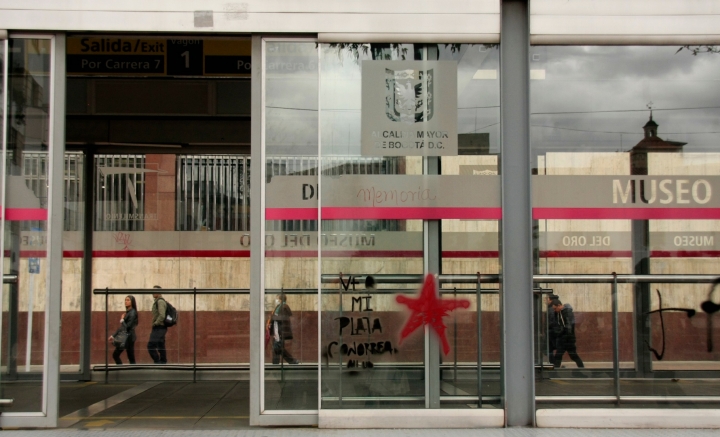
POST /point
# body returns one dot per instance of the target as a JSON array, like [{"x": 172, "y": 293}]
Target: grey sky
[
  {"x": 596, "y": 90},
  {"x": 592, "y": 98}
]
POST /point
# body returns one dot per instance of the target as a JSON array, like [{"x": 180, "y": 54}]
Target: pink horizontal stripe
[
  {"x": 470, "y": 254},
  {"x": 345, "y": 254},
  {"x": 685, "y": 253},
  {"x": 19, "y": 214},
  {"x": 291, "y": 213},
  {"x": 171, "y": 253},
  {"x": 32, "y": 254},
  {"x": 73, "y": 254},
  {"x": 366, "y": 254},
  {"x": 626, "y": 213},
  {"x": 419, "y": 213},
  {"x": 383, "y": 213}
]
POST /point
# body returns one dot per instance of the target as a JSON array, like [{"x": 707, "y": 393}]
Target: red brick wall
[
  {"x": 160, "y": 192},
  {"x": 223, "y": 337}
]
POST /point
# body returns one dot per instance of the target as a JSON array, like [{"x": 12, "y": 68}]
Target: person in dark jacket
[
  {"x": 280, "y": 328},
  {"x": 551, "y": 337},
  {"x": 128, "y": 322},
  {"x": 156, "y": 344},
  {"x": 565, "y": 334}
]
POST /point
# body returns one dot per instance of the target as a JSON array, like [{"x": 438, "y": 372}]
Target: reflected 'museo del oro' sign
[
  {"x": 385, "y": 244},
  {"x": 626, "y": 197},
  {"x": 409, "y": 108},
  {"x": 371, "y": 197}
]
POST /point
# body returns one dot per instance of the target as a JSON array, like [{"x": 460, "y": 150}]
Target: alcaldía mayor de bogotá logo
[{"x": 409, "y": 95}]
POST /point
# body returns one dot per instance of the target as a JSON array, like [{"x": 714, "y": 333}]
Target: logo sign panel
[{"x": 409, "y": 108}]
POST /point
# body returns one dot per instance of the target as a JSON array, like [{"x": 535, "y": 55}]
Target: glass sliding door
[
  {"x": 380, "y": 240},
  {"x": 401, "y": 211},
  {"x": 31, "y": 283},
  {"x": 291, "y": 228}
]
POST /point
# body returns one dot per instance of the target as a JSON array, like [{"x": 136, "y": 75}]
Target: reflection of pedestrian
[
  {"x": 565, "y": 332},
  {"x": 156, "y": 345},
  {"x": 280, "y": 328},
  {"x": 551, "y": 336},
  {"x": 128, "y": 322}
]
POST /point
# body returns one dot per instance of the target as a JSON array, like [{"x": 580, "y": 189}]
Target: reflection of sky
[
  {"x": 595, "y": 98},
  {"x": 291, "y": 95},
  {"x": 291, "y": 98},
  {"x": 29, "y": 76}
]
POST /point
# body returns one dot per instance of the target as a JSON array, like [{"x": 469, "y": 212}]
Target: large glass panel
[
  {"x": 291, "y": 257},
  {"x": 26, "y": 221},
  {"x": 174, "y": 221},
  {"x": 471, "y": 246},
  {"x": 163, "y": 153},
  {"x": 624, "y": 141},
  {"x": 393, "y": 120}
]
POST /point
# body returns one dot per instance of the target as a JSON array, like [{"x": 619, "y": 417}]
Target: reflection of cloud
[
  {"x": 292, "y": 96},
  {"x": 621, "y": 80}
]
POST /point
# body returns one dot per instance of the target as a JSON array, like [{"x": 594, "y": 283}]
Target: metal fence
[
  {"x": 119, "y": 192},
  {"x": 213, "y": 193}
]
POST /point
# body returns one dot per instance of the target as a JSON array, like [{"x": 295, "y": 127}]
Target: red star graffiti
[{"x": 428, "y": 309}]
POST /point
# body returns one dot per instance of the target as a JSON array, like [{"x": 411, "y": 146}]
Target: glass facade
[
  {"x": 371, "y": 267},
  {"x": 623, "y": 147}
]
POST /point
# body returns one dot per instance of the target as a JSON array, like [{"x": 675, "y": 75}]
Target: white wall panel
[
  {"x": 624, "y": 7},
  {"x": 312, "y": 16},
  {"x": 257, "y": 6},
  {"x": 684, "y": 22}
]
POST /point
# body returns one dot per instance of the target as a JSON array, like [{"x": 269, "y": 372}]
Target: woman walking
[{"x": 128, "y": 322}]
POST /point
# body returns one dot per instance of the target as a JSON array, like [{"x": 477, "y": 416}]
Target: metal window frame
[
  {"x": 3, "y": 158},
  {"x": 516, "y": 302},
  {"x": 48, "y": 416},
  {"x": 258, "y": 416}
]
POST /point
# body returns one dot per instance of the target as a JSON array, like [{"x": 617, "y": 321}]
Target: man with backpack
[
  {"x": 156, "y": 345},
  {"x": 564, "y": 327}
]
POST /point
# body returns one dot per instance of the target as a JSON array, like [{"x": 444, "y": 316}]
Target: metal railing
[
  {"x": 174, "y": 291},
  {"x": 370, "y": 281},
  {"x": 614, "y": 279},
  {"x": 382, "y": 279}
]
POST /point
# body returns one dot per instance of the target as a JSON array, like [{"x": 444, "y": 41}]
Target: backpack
[{"x": 171, "y": 314}]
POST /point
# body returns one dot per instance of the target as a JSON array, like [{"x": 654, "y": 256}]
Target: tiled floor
[
  {"x": 224, "y": 405},
  {"x": 179, "y": 405}
]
